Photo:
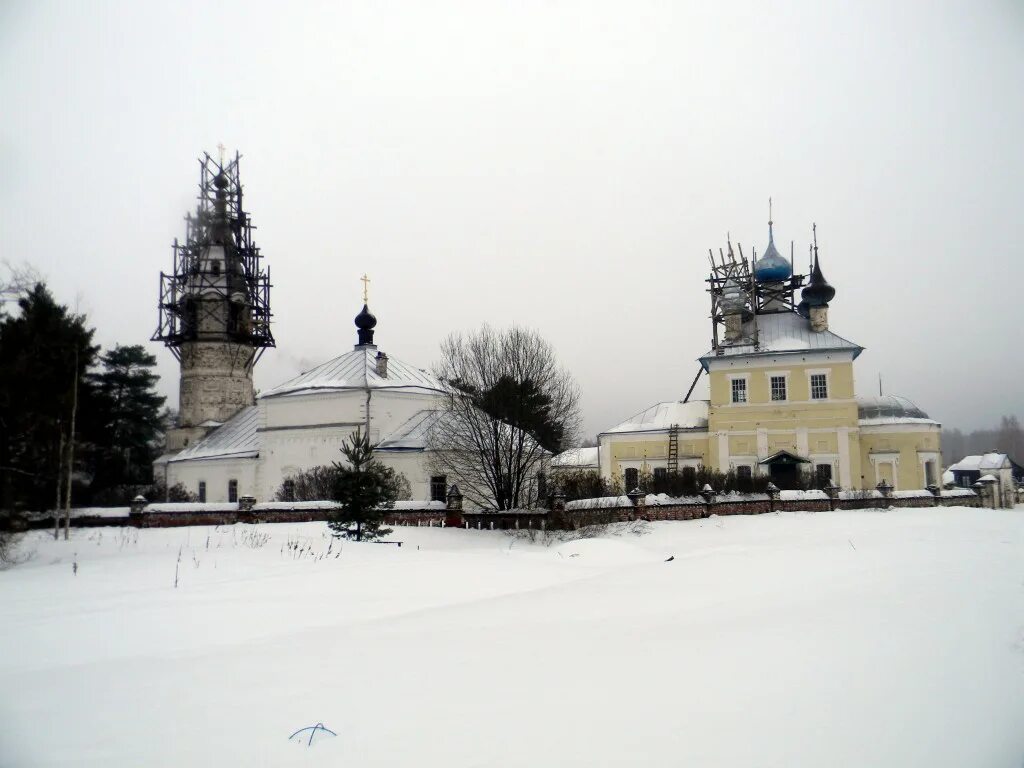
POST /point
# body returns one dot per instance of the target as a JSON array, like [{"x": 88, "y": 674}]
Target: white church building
[
  {"x": 215, "y": 318},
  {"x": 301, "y": 424}
]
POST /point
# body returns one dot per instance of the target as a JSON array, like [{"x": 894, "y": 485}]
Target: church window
[
  {"x": 439, "y": 488},
  {"x": 632, "y": 478},
  {"x": 778, "y": 388},
  {"x": 202, "y": 491},
  {"x": 690, "y": 474},
  {"x": 739, "y": 390},
  {"x": 744, "y": 476},
  {"x": 660, "y": 474},
  {"x": 819, "y": 386},
  {"x": 822, "y": 475},
  {"x": 232, "y": 490}
]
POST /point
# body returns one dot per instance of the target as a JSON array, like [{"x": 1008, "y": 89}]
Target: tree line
[
  {"x": 1007, "y": 438},
  {"x": 78, "y": 425}
]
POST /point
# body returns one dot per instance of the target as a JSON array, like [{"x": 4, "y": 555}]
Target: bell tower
[{"x": 214, "y": 310}]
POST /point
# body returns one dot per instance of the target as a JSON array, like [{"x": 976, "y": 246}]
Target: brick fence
[{"x": 560, "y": 516}]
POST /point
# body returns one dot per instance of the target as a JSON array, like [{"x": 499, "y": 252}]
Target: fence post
[
  {"x": 832, "y": 491},
  {"x": 708, "y": 494}
]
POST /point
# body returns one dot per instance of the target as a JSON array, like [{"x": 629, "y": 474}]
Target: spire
[{"x": 818, "y": 292}]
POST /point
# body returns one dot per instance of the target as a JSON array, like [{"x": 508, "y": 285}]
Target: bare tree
[
  {"x": 511, "y": 405},
  {"x": 15, "y": 281}
]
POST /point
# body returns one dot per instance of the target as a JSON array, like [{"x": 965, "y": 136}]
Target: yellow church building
[{"x": 781, "y": 389}]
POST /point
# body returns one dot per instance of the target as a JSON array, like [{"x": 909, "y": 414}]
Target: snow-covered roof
[
  {"x": 358, "y": 370},
  {"x": 981, "y": 463},
  {"x": 779, "y": 333},
  {"x": 889, "y": 409},
  {"x": 411, "y": 435},
  {"x": 575, "y": 458},
  {"x": 236, "y": 438},
  {"x": 691, "y": 415}
]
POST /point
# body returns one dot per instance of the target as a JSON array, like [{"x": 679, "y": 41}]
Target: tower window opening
[
  {"x": 739, "y": 390},
  {"x": 819, "y": 386},
  {"x": 215, "y": 268},
  {"x": 778, "y": 388}
]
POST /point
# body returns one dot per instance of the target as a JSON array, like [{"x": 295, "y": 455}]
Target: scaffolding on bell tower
[{"x": 218, "y": 289}]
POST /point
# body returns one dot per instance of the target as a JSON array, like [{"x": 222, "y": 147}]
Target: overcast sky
[{"x": 564, "y": 166}]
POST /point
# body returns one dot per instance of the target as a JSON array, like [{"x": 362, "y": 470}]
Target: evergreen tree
[
  {"x": 128, "y": 419},
  {"x": 366, "y": 490},
  {"x": 45, "y": 351}
]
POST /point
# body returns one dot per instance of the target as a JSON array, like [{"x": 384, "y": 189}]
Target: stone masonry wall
[{"x": 216, "y": 381}]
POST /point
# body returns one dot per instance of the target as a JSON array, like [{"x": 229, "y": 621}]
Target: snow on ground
[{"x": 863, "y": 638}]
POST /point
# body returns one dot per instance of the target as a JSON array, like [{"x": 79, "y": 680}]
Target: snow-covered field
[{"x": 831, "y": 639}]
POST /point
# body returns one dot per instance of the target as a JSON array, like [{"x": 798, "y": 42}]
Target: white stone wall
[{"x": 216, "y": 473}]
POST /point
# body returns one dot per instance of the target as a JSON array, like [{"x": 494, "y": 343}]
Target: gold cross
[
  {"x": 366, "y": 288},
  {"x": 222, "y": 149}
]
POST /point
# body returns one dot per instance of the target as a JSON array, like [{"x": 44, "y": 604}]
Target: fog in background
[{"x": 564, "y": 166}]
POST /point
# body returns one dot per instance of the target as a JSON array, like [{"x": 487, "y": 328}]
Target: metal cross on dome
[
  {"x": 222, "y": 149},
  {"x": 366, "y": 288}
]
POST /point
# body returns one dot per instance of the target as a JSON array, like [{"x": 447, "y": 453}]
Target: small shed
[{"x": 970, "y": 469}]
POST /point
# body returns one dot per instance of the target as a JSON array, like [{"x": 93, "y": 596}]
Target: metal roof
[
  {"x": 691, "y": 415},
  {"x": 358, "y": 370},
  {"x": 412, "y": 435},
  {"x": 888, "y": 407},
  {"x": 575, "y": 458},
  {"x": 236, "y": 438},
  {"x": 780, "y": 333}
]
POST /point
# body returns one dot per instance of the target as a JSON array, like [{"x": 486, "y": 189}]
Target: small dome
[
  {"x": 818, "y": 292},
  {"x": 220, "y": 181},
  {"x": 772, "y": 267},
  {"x": 365, "y": 321},
  {"x": 888, "y": 407}
]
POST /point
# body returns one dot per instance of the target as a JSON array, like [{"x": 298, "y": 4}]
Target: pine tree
[
  {"x": 366, "y": 490},
  {"x": 129, "y": 418}
]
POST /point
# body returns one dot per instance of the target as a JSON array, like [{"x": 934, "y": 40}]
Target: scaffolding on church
[
  {"x": 730, "y": 284},
  {"x": 203, "y": 299}
]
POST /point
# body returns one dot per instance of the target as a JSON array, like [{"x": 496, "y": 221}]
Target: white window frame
[
  {"x": 784, "y": 375},
  {"x": 745, "y": 378},
  {"x": 811, "y": 373}
]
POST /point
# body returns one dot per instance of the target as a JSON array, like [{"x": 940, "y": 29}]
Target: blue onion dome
[
  {"x": 818, "y": 292},
  {"x": 365, "y": 321},
  {"x": 772, "y": 267}
]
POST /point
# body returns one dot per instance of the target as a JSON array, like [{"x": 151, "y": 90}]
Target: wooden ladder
[{"x": 673, "y": 448}]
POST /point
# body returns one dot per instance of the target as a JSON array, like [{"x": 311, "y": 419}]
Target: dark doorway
[
  {"x": 784, "y": 469},
  {"x": 785, "y": 476}
]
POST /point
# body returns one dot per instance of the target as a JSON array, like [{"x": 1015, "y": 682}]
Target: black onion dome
[
  {"x": 365, "y": 320},
  {"x": 220, "y": 181},
  {"x": 818, "y": 292}
]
